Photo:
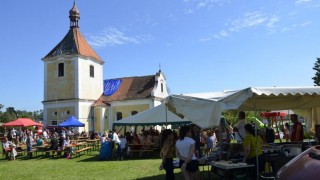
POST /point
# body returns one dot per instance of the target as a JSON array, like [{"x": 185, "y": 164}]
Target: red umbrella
[{"x": 25, "y": 122}]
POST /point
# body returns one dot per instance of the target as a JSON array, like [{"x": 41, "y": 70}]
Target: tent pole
[
  {"x": 166, "y": 117},
  {"x": 256, "y": 132}
]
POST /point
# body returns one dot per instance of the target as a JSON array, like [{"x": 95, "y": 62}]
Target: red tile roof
[
  {"x": 74, "y": 43},
  {"x": 131, "y": 88}
]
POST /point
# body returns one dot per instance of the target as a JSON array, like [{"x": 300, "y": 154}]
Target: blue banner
[{"x": 111, "y": 86}]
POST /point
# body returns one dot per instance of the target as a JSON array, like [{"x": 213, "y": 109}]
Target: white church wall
[
  {"x": 64, "y": 110},
  {"x": 89, "y": 87},
  {"x": 84, "y": 115},
  {"x": 160, "y": 89}
]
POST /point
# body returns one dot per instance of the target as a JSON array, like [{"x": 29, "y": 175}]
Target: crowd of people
[
  {"x": 188, "y": 145},
  {"x": 193, "y": 142},
  {"x": 55, "y": 139}
]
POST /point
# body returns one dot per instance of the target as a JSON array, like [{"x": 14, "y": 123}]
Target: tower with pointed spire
[
  {"x": 74, "y": 15},
  {"x": 73, "y": 77},
  {"x": 74, "y": 85}
]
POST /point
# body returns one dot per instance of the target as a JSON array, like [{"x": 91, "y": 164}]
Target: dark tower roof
[{"x": 74, "y": 42}]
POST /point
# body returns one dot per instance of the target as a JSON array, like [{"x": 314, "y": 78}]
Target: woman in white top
[{"x": 185, "y": 147}]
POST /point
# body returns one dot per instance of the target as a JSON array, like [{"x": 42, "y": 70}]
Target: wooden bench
[
  {"x": 86, "y": 149},
  {"x": 33, "y": 150},
  {"x": 20, "y": 152},
  {"x": 153, "y": 148},
  {"x": 58, "y": 152},
  {"x": 48, "y": 152},
  {"x": 140, "y": 151}
]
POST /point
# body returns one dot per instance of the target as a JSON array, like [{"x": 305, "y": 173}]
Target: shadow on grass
[
  {"x": 91, "y": 158},
  {"x": 161, "y": 177},
  {"x": 94, "y": 156},
  {"x": 178, "y": 175}
]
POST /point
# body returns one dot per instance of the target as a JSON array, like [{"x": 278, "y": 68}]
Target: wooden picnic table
[
  {"x": 139, "y": 148},
  {"x": 42, "y": 147},
  {"x": 93, "y": 142},
  {"x": 79, "y": 145},
  {"x": 83, "y": 138},
  {"x": 135, "y": 146}
]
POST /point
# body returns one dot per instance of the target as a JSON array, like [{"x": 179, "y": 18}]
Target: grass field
[{"x": 85, "y": 167}]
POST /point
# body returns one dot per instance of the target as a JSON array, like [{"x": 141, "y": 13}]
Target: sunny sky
[{"x": 201, "y": 45}]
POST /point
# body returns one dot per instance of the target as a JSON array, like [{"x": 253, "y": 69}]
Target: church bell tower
[{"x": 73, "y": 77}]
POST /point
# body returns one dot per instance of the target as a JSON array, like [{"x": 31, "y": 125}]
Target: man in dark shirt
[
  {"x": 296, "y": 130},
  {"x": 54, "y": 143},
  {"x": 195, "y": 131},
  {"x": 270, "y": 136}
]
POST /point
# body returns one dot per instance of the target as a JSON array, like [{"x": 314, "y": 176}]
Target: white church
[{"x": 74, "y": 85}]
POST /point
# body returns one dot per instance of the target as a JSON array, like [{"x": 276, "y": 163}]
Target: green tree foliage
[
  {"x": 316, "y": 78},
  {"x": 11, "y": 114},
  {"x": 1, "y": 106},
  {"x": 232, "y": 115}
]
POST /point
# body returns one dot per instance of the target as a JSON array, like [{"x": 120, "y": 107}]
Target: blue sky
[{"x": 201, "y": 45}]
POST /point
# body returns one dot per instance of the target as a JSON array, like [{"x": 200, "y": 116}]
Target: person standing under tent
[
  {"x": 286, "y": 130},
  {"x": 185, "y": 151},
  {"x": 195, "y": 135},
  {"x": 224, "y": 135},
  {"x": 240, "y": 132},
  {"x": 116, "y": 140},
  {"x": 269, "y": 134},
  {"x": 123, "y": 145},
  {"x": 167, "y": 153},
  {"x": 252, "y": 146},
  {"x": 296, "y": 130},
  {"x": 29, "y": 144},
  {"x": 211, "y": 141}
]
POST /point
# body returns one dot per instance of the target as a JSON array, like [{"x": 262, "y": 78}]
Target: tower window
[
  {"x": 119, "y": 116},
  {"x": 91, "y": 71},
  {"x": 61, "y": 69},
  {"x": 54, "y": 113},
  {"x": 134, "y": 112},
  {"x": 161, "y": 87}
]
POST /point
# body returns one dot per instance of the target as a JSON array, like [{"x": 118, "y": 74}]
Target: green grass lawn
[{"x": 86, "y": 167}]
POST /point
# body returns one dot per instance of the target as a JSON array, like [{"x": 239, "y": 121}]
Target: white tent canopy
[
  {"x": 204, "y": 109},
  {"x": 158, "y": 115}
]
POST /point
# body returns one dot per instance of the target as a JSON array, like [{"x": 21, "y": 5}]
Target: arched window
[
  {"x": 61, "y": 69},
  {"x": 134, "y": 112},
  {"x": 91, "y": 71},
  {"x": 119, "y": 116}
]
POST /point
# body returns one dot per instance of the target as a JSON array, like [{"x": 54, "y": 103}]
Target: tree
[
  {"x": 1, "y": 106},
  {"x": 316, "y": 78},
  {"x": 232, "y": 116},
  {"x": 24, "y": 114},
  {"x": 11, "y": 114}
]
